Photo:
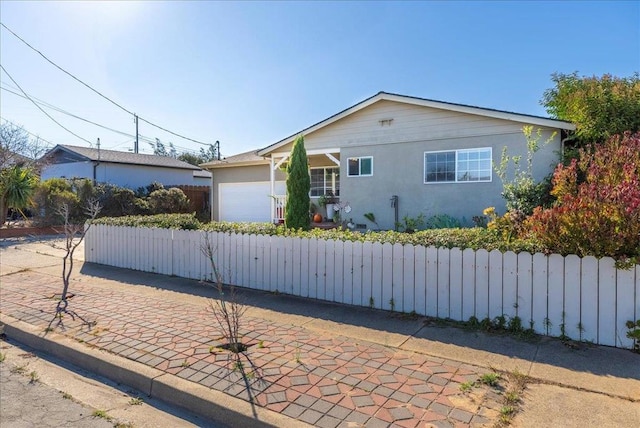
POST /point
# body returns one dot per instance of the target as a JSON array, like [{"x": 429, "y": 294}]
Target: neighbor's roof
[
  {"x": 241, "y": 159},
  {"x": 461, "y": 108},
  {"x": 114, "y": 156}
]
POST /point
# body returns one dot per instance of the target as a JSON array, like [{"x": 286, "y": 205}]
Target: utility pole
[{"x": 135, "y": 147}]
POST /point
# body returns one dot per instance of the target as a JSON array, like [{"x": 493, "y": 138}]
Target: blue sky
[{"x": 251, "y": 73}]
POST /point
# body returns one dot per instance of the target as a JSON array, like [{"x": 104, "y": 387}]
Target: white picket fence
[{"x": 590, "y": 297}]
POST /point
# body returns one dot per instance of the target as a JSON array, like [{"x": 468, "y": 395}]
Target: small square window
[{"x": 360, "y": 167}]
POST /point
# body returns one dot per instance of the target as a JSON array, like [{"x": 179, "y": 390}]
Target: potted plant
[{"x": 328, "y": 200}]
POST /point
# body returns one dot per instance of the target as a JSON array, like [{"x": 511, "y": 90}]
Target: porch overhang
[{"x": 277, "y": 159}]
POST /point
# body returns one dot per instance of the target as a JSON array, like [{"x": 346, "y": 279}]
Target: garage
[{"x": 249, "y": 202}]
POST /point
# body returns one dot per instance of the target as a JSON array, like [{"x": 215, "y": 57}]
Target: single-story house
[
  {"x": 421, "y": 155},
  {"x": 130, "y": 170}
]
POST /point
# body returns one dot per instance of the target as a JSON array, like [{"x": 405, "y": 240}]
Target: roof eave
[{"x": 223, "y": 164}]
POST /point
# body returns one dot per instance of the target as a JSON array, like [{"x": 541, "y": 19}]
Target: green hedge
[
  {"x": 474, "y": 238},
  {"x": 160, "y": 221}
]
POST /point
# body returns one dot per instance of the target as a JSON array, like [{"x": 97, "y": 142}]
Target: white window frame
[
  {"x": 455, "y": 173},
  {"x": 328, "y": 187},
  {"x": 359, "y": 166}
]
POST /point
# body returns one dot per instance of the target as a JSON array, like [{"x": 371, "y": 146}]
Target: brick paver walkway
[{"x": 323, "y": 380}]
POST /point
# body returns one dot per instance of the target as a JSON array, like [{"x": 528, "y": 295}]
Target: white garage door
[{"x": 247, "y": 201}]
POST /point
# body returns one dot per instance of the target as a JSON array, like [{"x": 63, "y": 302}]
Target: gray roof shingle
[{"x": 114, "y": 156}]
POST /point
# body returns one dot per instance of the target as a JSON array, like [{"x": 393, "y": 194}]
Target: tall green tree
[
  {"x": 17, "y": 186},
  {"x": 599, "y": 106},
  {"x": 298, "y": 187}
]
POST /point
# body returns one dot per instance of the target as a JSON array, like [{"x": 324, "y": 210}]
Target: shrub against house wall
[
  {"x": 598, "y": 208},
  {"x": 115, "y": 201}
]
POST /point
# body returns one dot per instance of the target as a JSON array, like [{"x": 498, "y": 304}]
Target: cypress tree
[{"x": 298, "y": 187}]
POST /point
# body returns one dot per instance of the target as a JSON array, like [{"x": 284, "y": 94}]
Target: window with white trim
[
  {"x": 325, "y": 180},
  {"x": 360, "y": 167},
  {"x": 458, "y": 166}
]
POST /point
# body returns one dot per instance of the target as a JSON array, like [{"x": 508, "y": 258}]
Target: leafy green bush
[
  {"x": 168, "y": 201},
  {"x": 521, "y": 192},
  {"x": 474, "y": 238},
  {"x": 442, "y": 221},
  {"x": 49, "y": 196}
]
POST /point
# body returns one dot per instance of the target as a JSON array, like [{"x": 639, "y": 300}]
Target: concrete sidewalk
[{"x": 308, "y": 362}]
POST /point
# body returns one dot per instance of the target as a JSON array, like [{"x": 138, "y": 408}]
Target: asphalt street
[{"x": 37, "y": 390}]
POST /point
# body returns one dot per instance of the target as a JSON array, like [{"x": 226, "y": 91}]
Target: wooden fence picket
[
  {"x": 387, "y": 276},
  {"x": 338, "y": 271},
  {"x": 432, "y": 282},
  {"x": 482, "y": 284},
  {"x": 347, "y": 270},
  {"x": 455, "y": 283},
  {"x": 509, "y": 284},
  {"x": 420, "y": 279},
  {"x": 625, "y": 282},
  {"x": 525, "y": 280},
  {"x": 572, "y": 320},
  {"x": 397, "y": 277},
  {"x": 443, "y": 283},
  {"x": 495, "y": 284},
  {"x": 468, "y": 304},
  {"x": 408, "y": 279},
  {"x": 555, "y": 303},
  {"x": 607, "y": 301},
  {"x": 377, "y": 294},
  {"x": 356, "y": 298}
]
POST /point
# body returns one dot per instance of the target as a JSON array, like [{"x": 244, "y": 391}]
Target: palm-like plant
[{"x": 17, "y": 185}]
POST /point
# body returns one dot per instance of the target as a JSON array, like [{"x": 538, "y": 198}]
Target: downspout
[{"x": 95, "y": 165}]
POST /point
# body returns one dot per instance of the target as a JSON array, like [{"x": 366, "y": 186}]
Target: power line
[
  {"x": 98, "y": 92},
  {"x": 41, "y": 109},
  {"x": 173, "y": 133},
  {"x": 60, "y": 110},
  {"x": 64, "y": 71}
]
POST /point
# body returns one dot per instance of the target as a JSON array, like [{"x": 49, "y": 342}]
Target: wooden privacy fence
[{"x": 586, "y": 297}]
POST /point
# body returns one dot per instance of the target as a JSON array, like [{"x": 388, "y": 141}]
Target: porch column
[
  {"x": 272, "y": 176},
  {"x": 211, "y": 197}
]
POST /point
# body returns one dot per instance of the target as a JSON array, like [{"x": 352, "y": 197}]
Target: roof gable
[
  {"x": 76, "y": 153},
  {"x": 460, "y": 108},
  {"x": 241, "y": 159}
]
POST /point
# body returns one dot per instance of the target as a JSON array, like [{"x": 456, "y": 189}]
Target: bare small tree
[
  {"x": 73, "y": 236},
  {"x": 17, "y": 148},
  {"x": 227, "y": 310}
]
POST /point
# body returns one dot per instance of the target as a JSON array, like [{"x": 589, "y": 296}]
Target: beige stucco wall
[
  {"x": 409, "y": 123},
  {"x": 398, "y": 169}
]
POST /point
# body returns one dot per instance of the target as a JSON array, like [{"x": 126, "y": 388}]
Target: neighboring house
[
  {"x": 436, "y": 157},
  {"x": 131, "y": 170}
]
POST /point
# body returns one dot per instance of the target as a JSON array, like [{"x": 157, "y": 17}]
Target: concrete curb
[{"x": 200, "y": 400}]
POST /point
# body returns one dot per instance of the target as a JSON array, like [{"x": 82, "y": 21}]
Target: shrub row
[
  {"x": 114, "y": 200},
  {"x": 474, "y": 238}
]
